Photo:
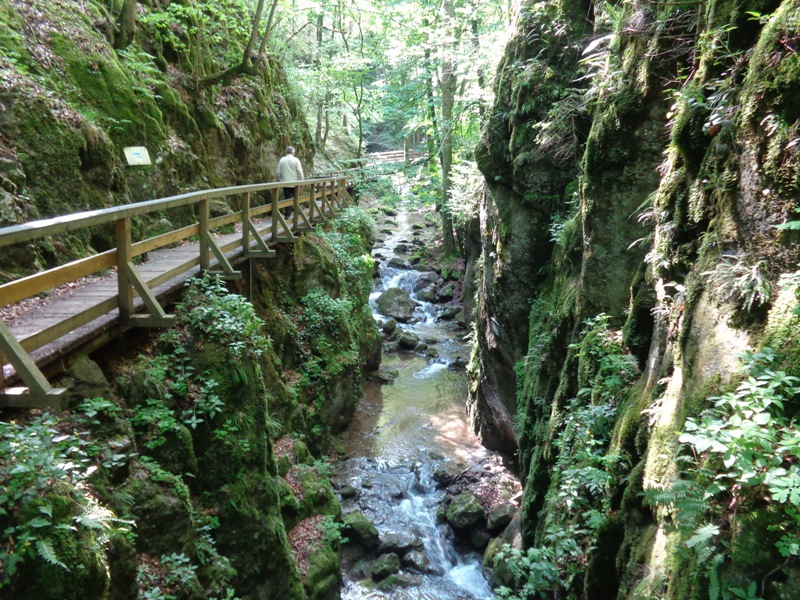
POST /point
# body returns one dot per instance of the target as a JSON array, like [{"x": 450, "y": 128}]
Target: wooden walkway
[{"x": 36, "y": 343}]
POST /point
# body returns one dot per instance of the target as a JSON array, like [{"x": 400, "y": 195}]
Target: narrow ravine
[{"x": 401, "y": 434}]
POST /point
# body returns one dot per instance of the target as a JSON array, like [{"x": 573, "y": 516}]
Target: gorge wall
[
  {"x": 81, "y": 81},
  {"x": 637, "y": 236}
]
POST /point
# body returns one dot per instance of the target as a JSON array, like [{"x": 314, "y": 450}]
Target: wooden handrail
[{"x": 322, "y": 198}]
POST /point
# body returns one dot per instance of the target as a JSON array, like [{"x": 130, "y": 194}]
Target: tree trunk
[
  {"x": 448, "y": 85},
  {"x": 126, "y": 25}
]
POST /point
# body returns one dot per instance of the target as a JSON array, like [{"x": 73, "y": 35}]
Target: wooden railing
[
  {"x": 395, "y": 156},
  {"x": 314, "y": 201}
]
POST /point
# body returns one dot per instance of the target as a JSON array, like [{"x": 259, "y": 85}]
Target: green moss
[{"x": 324, "y": 577}]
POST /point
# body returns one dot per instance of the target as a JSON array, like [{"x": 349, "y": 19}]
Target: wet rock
[
  {"x": 394, "y": 491},
  {"x": 421, "y": 347},
  {"x": 386, "y": 231},
  {"x": 432, "y": 353},
  {"x": 458, "y": 363},
  {"x": 512, "y": 535},
  {"x": 417, "y": 560},
  {"x": 417, "y": 227},
  {"x": 385, "y": 565},
  {"x": 425, "y": 279},
  {"x": 401, "y": 580},
  {"x": 389, "y": 326},
  {"x": 360, "y": 530},
  {"x": 479, "y": 538},
  {"x": 427, "y": 294},
  {"x": 449, "y": 313},
  {"x": 402, "y": 249},
  {"x": 390, "y": 347},
  {"x": 465, "y": 511},
  {"x": 389, "y": 212},
  {"x": 445, "y": 294},
  {"x": 414, "y": 259},
  {"x": 446, "y": 472},
  {"x": 397, "y": 263},
  {"x": 384, "y": 374},
  {"x": 407, "y": 340},
  {"x": 501, "y": 515},
  {"x": 348, "y": 492},
  {"x": 399, "y": 542},
  {"x": 396, "y": 303}
]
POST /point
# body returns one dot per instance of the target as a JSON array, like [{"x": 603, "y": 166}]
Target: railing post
[
  {"x": 245, "y": 222},
  {"x": 124, "y": 284},
  {"x": 274, "y": 213},
  {"x": 205, "y": 253},
  {"x": 296, "y": 208}
]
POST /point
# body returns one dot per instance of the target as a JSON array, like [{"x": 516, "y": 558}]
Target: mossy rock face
[
  {"x": 162, "y": 510},
  {"x": 324, "y": 579},
  {"x": 82, "y": 573}
]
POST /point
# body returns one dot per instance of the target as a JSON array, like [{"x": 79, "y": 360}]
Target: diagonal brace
[
  {"x": 228, "y": 271},
  {"x": 157, "y": 317},
  {"x": 39, "y": 391}
]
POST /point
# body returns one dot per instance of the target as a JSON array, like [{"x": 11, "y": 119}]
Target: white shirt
[{"x": 289, "y": 169}]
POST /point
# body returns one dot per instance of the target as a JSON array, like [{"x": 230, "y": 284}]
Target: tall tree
[{"x": 448, "y": 84}]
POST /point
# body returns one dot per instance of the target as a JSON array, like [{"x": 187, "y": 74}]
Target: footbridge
[{"x": 82, "y": 305}]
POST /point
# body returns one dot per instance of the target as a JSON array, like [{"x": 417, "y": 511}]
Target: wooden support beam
[
  {"x": 278, "y": 222},
  {"x": 248, "y": 229},
  {"x": 208, "y": 246},
  {"x": 124, "y": 285},
  {"x": 157, "y": 316},
  {"x": 38, "y": 392}
]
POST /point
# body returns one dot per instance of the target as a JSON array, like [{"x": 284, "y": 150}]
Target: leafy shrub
[
  {"x": 38, "y": 459},
  {"x": 219, "y": 316}
]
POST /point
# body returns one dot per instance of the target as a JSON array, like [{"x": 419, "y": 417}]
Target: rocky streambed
[{"x": 425, "y": 505}]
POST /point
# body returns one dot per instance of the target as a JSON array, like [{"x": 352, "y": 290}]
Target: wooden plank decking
[{"x": 89, "y": 316}]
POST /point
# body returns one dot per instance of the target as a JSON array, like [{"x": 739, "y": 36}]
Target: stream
[{"x": 401, "y": 432}]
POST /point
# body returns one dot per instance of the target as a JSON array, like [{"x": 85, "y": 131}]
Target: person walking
[{"x": 289, "y": 170}]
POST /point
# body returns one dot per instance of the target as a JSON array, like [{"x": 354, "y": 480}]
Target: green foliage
[
  {"x": 155, "y": 420},
  {"x": 332, "y": 531},
  {"x": 351, "y": 237},
  {"x": 219, "y": 316},
  {"x": 38, "y": 463},
  {"x": 736, "y": 280},
  {"x": 744, "y": 453}
]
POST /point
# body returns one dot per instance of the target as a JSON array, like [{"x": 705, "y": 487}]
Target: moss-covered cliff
[
  {"x": 80, "y": 81},
  {"x": 639, "y": 160},
  {"x": 206, "y": 442}
]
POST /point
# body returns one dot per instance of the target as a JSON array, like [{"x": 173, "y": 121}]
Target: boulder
[
  {"x": 385, "y": 565},
  {"x": 397, "y": 263},
  {"x": 407, "y": 340},
  {"x": 397, "y": 304},
  {"x": 447, "y": 471},
  {"x": 360, "y": 530},
  {"x": 417, "y": 560},
  {"x": 465, "y": 511},
  {"x": 399, "y": 542},
  {"x": 501, "y": 515},
  {"x": 389, "y": 326},
  {"x": 384, "y": 374}
]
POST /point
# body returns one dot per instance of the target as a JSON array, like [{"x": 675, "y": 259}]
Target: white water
[{"x": 401, "y": 434}]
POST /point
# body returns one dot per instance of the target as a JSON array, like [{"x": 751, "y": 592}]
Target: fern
[{"x": 45, "y": 550}]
